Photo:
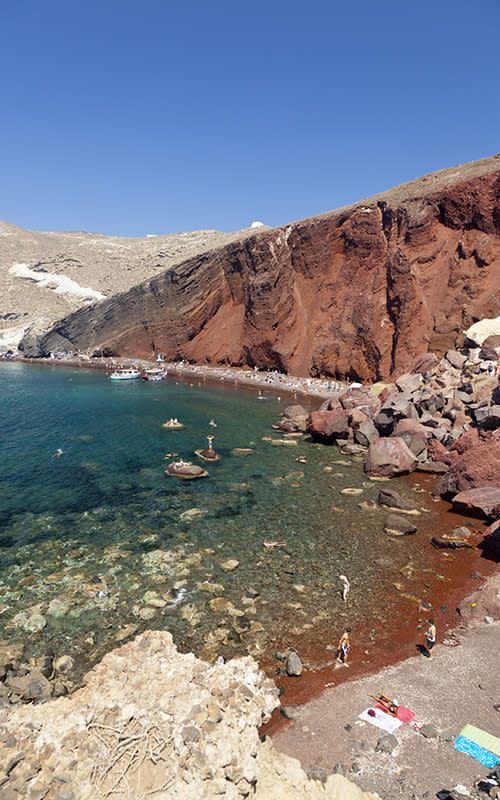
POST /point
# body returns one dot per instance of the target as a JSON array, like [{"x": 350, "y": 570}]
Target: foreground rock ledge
[{"x": 152, "y": 722}]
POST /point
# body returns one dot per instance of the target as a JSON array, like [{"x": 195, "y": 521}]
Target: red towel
[{"x": 404, "y": 714}]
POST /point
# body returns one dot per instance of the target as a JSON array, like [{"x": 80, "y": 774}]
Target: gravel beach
[{"x": 459, "y": 686}]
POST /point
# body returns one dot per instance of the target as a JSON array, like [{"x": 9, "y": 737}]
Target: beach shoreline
[
  {"x": 310, "y": 690},
  {"x": 458, "y": 686}
]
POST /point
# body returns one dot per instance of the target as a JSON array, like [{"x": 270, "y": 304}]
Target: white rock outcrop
[{"x": 152, "y": 722}]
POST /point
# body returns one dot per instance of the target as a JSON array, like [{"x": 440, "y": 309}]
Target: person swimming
[{"x": 213, "y": 423}]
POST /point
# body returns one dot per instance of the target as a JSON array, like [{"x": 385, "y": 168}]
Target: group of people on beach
[{"x": 344, "y": 641}]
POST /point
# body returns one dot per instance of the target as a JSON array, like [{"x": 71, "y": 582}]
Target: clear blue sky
[{"x": 151, "y": 116}]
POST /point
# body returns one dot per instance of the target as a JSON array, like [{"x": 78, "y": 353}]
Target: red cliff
[{"x": 357, "y": 293}]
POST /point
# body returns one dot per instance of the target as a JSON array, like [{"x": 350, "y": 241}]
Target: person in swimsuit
[
  {"x": 343, "y": 647},
  {"x": 345, "y": 587},
  {"x": 431, "y": 638}
]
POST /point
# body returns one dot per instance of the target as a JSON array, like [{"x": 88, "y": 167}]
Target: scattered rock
[
  {"x": 399, "y": 526},
  {"x": 429, "y": 731},
  {"x": 386, "y": 743},
  {"x": 293, "y": 665}
]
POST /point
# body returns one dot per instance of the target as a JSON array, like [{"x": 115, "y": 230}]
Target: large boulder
[
  {"x": 330, "y": 403},
  {"x": 488, "y": 353},
  {"x": 465, "y": 442},
  {"x": 482, "y": 502},
  {"x": 361, "y": 398},
  {"x": 389, "y": 457},
  {"x": 397, "y": 406},
  {"x": 491, "y": 542},
  {"x": 474, "y": 469},
  {"x": 426, "y": 364},
  {"x": 294, "y": 420},
  {"x": 328, "y": 426},
  {"x": 428, "y": 399},
  {"x": 415, "y": 436},
  {"x": 366, "y": 433},
  {"x": 456, "y": 360},
  {"x": 409, "y": 382},
  {"x": 488, "y": 417},
  {"x": 492, "y": 341}
]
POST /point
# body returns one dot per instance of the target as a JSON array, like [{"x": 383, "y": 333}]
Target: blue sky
[{"x": 131, "y": 118}]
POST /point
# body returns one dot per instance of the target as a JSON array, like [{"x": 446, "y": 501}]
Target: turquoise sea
[{"x": 96, "y": 544}]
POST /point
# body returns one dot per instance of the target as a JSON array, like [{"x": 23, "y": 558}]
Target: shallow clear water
[{"x": 94, "y": 547}]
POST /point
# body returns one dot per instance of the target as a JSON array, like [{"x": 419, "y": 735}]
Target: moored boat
[
  {"x": 125, "y": 373},
  {"x": 154, "y": 374}
]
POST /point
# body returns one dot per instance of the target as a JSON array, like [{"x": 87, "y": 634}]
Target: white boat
[
  {"x": 125, "y": 374},
  {"x": 154, "y": 374}
]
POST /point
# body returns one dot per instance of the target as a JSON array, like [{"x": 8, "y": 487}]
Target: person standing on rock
[
  {"x": 345, "y": 587},
  {"x": 431, "y": 638},
  {"x": 343, "y": 647}
]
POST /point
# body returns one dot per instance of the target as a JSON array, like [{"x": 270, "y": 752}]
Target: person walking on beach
[
  {"x": 345, "y": 587},
  {"x": 431, "y": 638},
  {"x": 343, "y": 647}
]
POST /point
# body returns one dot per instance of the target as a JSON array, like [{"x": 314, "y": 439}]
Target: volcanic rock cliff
[{"x": 356, "y": 293}]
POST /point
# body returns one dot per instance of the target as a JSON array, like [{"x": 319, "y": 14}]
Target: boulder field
[
  {"x": 442, "y": 418},
  {"x": 359, "y": 293}
]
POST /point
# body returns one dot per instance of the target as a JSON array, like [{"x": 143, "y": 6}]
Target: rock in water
[
  {"x": 293, "y": 664},
  {"x": 392, "y": 499},
  {"x": 399, "y": 526}
]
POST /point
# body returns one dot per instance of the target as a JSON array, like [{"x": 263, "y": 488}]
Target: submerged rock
[{"x": 399, "y": 526}]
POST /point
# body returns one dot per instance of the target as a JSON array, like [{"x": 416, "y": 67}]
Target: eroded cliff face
[{"x": 359, "y": 293}]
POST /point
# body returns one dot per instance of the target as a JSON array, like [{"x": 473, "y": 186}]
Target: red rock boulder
[
  {"x": 477, "y": 467},
  {"x": 389, "y": 457},
  {"x": 327, "y": 426},
  {"x": 467, "y": 440},
  {"x": 491, "y": 542},
  {"x": 414, "y": 434},
  {"x": 363, "y": 399},
  {"x": 482, "y": 502}
]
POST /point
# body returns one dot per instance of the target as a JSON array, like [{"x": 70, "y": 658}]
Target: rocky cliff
[{"x": 357, "y": 293}]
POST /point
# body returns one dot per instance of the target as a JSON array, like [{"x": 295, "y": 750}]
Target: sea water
[{"x": 98, "y": 543}]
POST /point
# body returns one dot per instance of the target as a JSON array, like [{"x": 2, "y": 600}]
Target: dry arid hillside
[{"x": 46, "y": 276}]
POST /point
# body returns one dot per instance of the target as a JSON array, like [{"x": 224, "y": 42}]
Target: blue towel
[{"x": 465, "y": 745}]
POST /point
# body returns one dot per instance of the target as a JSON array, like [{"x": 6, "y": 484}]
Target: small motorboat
[
  {"x": 154, "y": 374},
  {"x": 125, "y": 374}
]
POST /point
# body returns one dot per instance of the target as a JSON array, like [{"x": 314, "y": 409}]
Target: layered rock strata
[
  {"x": 357, "y": 293},
  {"x": 153, "y": 722}
]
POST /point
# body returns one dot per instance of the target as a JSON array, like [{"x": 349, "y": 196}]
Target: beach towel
[
  {"x": 481, "y": 754},
  {"x": 482, "y": 738},
  {"x": 381, "y": 719},
  {"x": 404, "y": 714}
]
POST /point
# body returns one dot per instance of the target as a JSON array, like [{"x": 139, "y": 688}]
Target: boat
[
  {"x": 154, "y": 374},
  {"x": 125, "y": 374}
]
